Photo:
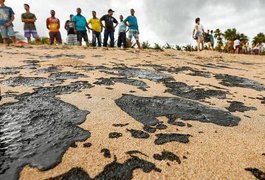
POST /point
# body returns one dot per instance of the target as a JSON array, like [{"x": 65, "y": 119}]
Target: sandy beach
[{"x": 127, "y": 114}]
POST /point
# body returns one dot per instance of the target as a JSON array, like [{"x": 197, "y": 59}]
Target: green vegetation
[
  {"x": 259, "y": 38},
  {"x": 1, "y": 39},
  {"x": 146, "y": 45},
  {"x": 158, "y": 47}
]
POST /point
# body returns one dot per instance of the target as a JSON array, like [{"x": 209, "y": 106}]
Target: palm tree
[
  {"x": 243, "y": 37},
  {"x": 219, "y": 36},
  {"x": 231, "y": 34},
  {"x": 259, "y": 38}
]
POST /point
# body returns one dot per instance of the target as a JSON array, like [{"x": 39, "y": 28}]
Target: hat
[{"x": 110, "y": 10}]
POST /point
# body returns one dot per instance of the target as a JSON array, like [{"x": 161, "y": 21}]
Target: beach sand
[{"x": 214, "y": 150}]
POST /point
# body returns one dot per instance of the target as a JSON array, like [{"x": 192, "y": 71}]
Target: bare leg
[
  {"x": 14, "y": 39},
  {"x": 138, "y": 44}
]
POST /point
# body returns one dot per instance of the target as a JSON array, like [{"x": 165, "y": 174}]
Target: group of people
[
  {"x": 202, "y": 37},
  {"x": 244, "y": 47},
  {"x": 77, "y": 27}
]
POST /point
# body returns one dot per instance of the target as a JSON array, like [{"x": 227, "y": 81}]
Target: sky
[{"x": 160, "y": 21}]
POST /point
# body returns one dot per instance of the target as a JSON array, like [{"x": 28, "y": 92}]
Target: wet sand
[{"x": 140, "y": 115}]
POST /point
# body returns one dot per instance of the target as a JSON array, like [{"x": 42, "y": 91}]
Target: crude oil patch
[
  {"x": 63, "y": 56},
  {"x": 260, "y": 175},
  {"x": 146, "y": 110},
  {"x": 235, "y": 81},
  {"x": 66, "y": 75},
  {"x": 138, "y": 134},
  {"x": 239, "y": 106},
  {"x": 27, "y": 81},
  {"x": 8, "y": 71},
  {"x": 114, "y": 170},
  {"x": 166, "y": 155},
  {"x": 51, "y": 69},
  {"x": 143, "y": 74},
  {"x": 36, "y": 131},
  {"x": 183, "y": 90},
  {"x": 173, "y": 137},
  {"x": 111, "y": 81}
]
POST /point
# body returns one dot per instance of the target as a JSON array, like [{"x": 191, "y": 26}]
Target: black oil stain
[
  {"x": 73, "y": 174},
  {"x": 235, "y": 81},
  {"x": 138, "y": 134},
  {"x": 61, "y": 76},
  {"x": 111, "y": 81},
  {"x": 9, "y": 70},
  {"x": 239, "y": 106},
  {"x": 149, "y": 129},
  {"x": 114, "y": 170},
  {"x": 257, "y": 173},
  {"x": 146, "y": 110},
  {"x": 115, "y": 135},
  {"x": 87, "y": 145},
  {"x": 173, "y": 137},
  {"x": 167, "y": 155},
  {"x": 74, "y": 56},
  {"x": 27, "y": 81},
  {"x": 106, "y": 153},
  {"x": 120, "y": 125},
  {"x": 183, "y": 90},
  {"x": 143, "y": 74},
  {"x": 131, "y": 153},
  {"x": 37, "y": 130},
  {"x": 51, "y": 69}
]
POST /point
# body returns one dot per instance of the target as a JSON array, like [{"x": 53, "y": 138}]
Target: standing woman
[{"x": 197, "y": 33}]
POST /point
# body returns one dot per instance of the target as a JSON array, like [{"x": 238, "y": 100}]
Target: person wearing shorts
[
  {"x": 29, "y": 19},
  {"x": 71, "y": 31},
  {"x": 96, "y": 29},
  {"x": 53, "y": 25},
  {"x": 81, "y": 25},
  {"x": 7, "y": 16},
  {"x": 131, "y": 21}
]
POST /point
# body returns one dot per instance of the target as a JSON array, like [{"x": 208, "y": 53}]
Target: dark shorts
[
  {"x": 57, "y": 36},
  {"x": 82, "y": 34},
  {"x": 28, "y": 33}
]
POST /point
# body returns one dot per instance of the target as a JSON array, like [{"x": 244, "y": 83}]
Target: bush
[
  {"x": 178, "y": 47},
  {"x": 146, "y": 45},
  {"x": 167, "y": 46},
  {"x": 158, "y": 47}
]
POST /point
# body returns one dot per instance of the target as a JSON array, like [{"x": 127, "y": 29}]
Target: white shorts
[{"x": 134, "y": 33}]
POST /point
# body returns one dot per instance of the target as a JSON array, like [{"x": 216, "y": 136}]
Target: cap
[{"x": 110, "y": 10}]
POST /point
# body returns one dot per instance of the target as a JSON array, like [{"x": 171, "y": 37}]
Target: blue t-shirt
[
  {"x": 5, "y": 15},
  {"x": 132, "y": 20},
  {"x": 80, "y": 22}
]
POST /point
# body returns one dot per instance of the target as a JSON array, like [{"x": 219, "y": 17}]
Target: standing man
[
  {"x": 122, "y": 33},
  {"x": 81, "y": 25},
  {"x": 7, "y": 16},
  {"x": 29, "y": 19},
  {"x": 131, "y": 21},
  {"x": 109, "y": 27},
  {"x": 96, "y": 29},
  {"x": 71, "y": 31},
  {"x": 53, "y": 24}
]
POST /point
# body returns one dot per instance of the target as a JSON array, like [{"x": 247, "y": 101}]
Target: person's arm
[
  {"x": 101, "y": 20},
  {"x": 65, "y": 25},
  {"x": 116, "y": 23},
  {"x": 47, "y": 24},
  {"x": 59, "y": 25}
]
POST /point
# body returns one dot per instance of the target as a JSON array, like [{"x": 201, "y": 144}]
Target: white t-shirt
[
  {"x": 236, "y": 43},
  {"x": 199, "y": 29}
]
